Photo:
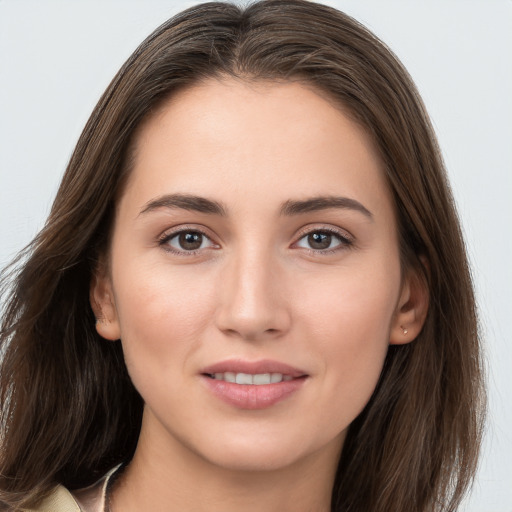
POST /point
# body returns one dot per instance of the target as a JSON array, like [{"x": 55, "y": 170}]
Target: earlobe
[
  {"x": 103, "y": 306},
  {"x": 411, "y": 310}
]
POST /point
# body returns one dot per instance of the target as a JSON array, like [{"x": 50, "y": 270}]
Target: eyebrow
[
  {"x": 185, "y": 202},
  {"x": 319, "y": 203},
  {"x": 289, "y": 208}
]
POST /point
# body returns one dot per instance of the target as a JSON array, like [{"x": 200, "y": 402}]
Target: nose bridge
[{"x": 253, "y": 303}]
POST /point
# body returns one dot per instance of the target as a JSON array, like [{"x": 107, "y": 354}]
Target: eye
[
  {"x": 187, "y": 241},
  {"x": 323, "y": 240}
]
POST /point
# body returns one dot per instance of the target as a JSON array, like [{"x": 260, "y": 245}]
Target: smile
[
  {"x": 255, "y": 396},
  {"x": 253, "y": 384},
  {"x": 257, "y": 379}
]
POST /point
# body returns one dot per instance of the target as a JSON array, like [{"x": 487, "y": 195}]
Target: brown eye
[
  {"x": 319, "y": 240},
  {"x": 323, "y": 240},
  {"x": 188, "y": 241}
]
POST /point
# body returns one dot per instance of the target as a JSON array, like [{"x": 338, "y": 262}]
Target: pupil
[
  {"x": 190, "y": 241},
  {"x": 319, "y": 240}
]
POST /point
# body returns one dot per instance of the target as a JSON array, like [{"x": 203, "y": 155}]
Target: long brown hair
[{"x": 69, "y": 411}]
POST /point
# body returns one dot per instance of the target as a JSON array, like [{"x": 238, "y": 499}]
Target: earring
[{"x": 404, "y": 330}]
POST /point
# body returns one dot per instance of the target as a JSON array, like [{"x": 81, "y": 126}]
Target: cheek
[
  {"x": 161, "y": 315},
  {"x": 358, "y": 303},
  {"x": 350, "y": 323}
]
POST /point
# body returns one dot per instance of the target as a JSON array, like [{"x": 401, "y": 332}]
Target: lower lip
[{"x": 250, "y": 396}]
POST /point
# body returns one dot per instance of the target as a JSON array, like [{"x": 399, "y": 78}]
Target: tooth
[
  {"x": 230, "y": 377},
  {"x": 261, "y": 378},
  {"x": 247, "y": 378},
  {"x": 243, "y": 378}
]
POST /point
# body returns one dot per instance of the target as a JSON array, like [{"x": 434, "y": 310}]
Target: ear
[
  {"x": 103, "y": 304},
  {"x": 411, "y": 310}
]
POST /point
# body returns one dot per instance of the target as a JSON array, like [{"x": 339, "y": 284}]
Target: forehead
[{"x": 223, "y": 136}]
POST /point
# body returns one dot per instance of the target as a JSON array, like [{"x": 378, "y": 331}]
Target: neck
[{"x": 172, "y": 477}]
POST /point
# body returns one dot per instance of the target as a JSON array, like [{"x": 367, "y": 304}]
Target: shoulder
[
  {"x": 90, "y": 499},
  {"x": 60, "y": 500}
]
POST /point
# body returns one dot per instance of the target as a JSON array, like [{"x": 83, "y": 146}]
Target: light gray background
[{"x": 56, "y": 58}]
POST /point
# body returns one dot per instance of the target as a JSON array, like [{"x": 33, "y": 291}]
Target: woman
[{"x": 252, "y": 283}]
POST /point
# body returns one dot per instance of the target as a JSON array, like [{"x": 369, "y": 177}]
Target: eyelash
[
  {"x": 345, "y": 241},
  {"x": 167, "y": 237}
]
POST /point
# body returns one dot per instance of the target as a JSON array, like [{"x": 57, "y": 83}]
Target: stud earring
[{"x": 405, "y": 331}]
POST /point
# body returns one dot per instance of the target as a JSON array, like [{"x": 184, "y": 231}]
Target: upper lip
[{"x": 253, "y": 367}]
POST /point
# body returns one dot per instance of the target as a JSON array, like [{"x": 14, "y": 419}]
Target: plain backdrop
[{"x": 57, "y": 57}]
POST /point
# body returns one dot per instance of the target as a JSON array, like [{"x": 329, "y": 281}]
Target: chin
[
  {"x": 265, "y": 452},
  {"x": 257, "y": 459}
]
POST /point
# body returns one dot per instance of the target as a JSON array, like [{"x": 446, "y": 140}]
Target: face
[{"x": 254, "y": 275}]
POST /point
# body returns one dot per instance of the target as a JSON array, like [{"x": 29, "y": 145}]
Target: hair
[{"x": 69, "y": 410}]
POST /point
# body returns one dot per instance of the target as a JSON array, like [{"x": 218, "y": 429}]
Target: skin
[{"x": 255, "y": 289}]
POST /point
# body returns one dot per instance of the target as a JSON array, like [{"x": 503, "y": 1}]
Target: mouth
[
  {"x": 253, "y": 385},
  {"x": 257, "y": 379}
]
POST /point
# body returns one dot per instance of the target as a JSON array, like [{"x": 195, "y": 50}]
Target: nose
[{"x": 253, "y": 303}]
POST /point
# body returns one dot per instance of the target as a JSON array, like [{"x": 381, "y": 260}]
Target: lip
[
  {"x": 249, "y": 396},
  {"x": 261, "y": 366}
]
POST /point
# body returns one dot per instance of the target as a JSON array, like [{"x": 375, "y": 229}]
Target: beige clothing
[{"x": 90, "y": 499}]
